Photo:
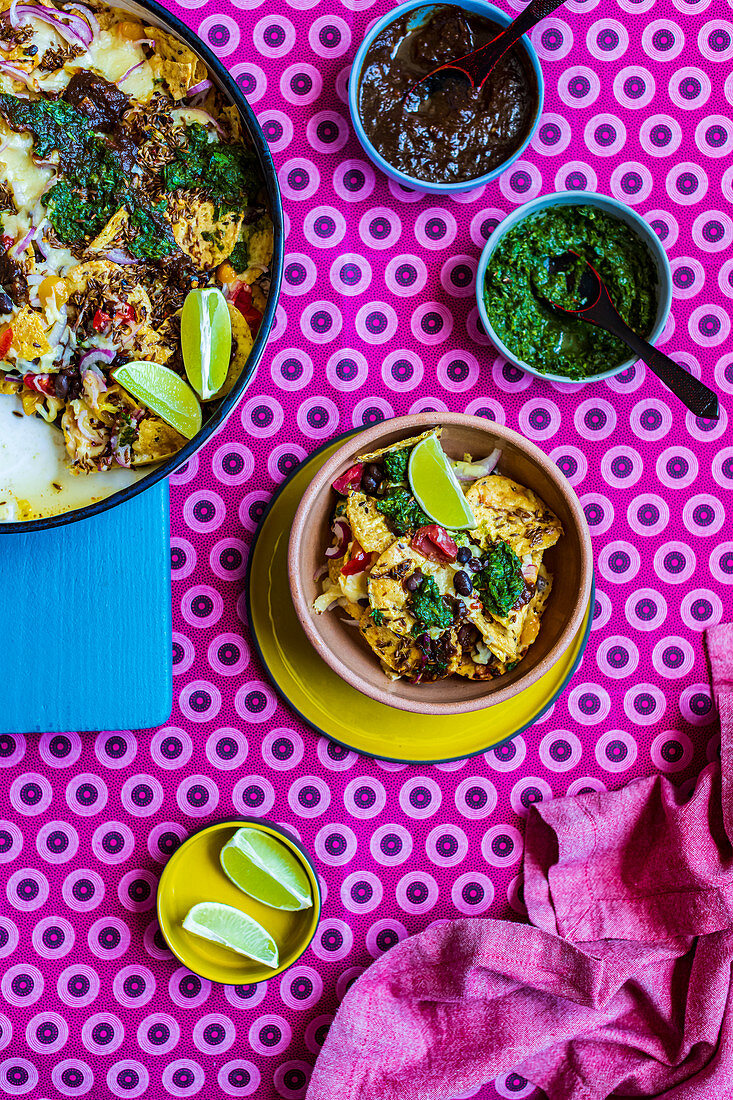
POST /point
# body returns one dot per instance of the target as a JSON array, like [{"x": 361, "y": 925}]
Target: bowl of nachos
[
  {"x": 133, "y": 174},
  {"x": 428, "y": 619}
]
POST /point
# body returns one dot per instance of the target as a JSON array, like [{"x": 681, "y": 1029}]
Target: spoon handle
[
  {"x": 526, "y": 19},
  {"x": 693, "y": 393}
]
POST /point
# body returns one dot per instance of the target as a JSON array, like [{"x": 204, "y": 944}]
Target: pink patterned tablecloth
[{"x": 377, "y": 317}]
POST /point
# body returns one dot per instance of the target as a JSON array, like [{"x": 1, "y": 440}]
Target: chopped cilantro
[
  {"x": 500, "y": 583},
  {"x": 54, "y": 123},
  {"x": 378, "y": 616},
  {"x": 395, "y": 465},
  {"x": 239, "y": 257},
  {"x": 74, "y": 218},
  {"x": 153, "y": 238},
  {"x": 127, "y": 431},
  {"x": 227, "y": 173},
  {"x": 428, "y": 607},
  {"x": 403, "y": 511},
  {"x": 510, "y": 665}
]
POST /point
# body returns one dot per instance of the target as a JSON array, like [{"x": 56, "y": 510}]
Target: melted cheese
[
  {"x": 34, "y": 478},
  {"x": 27, "y": 179}
]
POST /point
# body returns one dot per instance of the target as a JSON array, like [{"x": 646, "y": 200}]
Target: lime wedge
[
  {"x": 266, "y": 870},
  {"x": 436, "y": 487},
  {"x": 164, "y": 393},
  {"x": 206, "y": 340},
  {"x": 211, "y": 920}
]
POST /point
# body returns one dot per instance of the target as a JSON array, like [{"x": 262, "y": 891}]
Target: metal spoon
[
  {"x": 478, "y": 64},
  {"x": 595, "y": 307}
]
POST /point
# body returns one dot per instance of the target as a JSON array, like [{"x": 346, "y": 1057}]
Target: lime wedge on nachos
[
  {"x": 436, "y": 488},
  {"x": 164, "y": 393},
  {"x": 206, "y": 340}
]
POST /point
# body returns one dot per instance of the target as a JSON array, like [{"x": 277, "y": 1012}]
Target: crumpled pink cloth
[{"x": 620, "y": 987}]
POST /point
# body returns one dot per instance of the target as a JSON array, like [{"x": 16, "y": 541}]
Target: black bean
[
  {"x": 462, "y": 583},
  {"x": 467, "y": 635},
  {"x": 463, "y": 555},
  {"x": 375, "y": 470},
  {"x": 474, "y": 565},
  {"x": 419, "y": 576},
  {"x": 411, "y": 583},
  {"x": 368, "y": 483}
]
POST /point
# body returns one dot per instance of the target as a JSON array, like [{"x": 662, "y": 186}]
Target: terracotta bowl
[{"x": 570, "y": 561}]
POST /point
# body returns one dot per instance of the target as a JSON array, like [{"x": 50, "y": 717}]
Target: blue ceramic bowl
[
  {"x": 615, "y": 209},
  {"x": 420, "y": 7}
]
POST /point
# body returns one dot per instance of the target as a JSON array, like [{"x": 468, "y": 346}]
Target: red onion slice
[
  {"x": 19, "y": 74},
  {"x": 23, "y": 244},
  {"x": 87, "y": 13},
  {"x": 202, "y": 86},
  {"x": 320, "y": 572},
  {"x": 96, "y": 355},
  {"x": 129, "y": 72},
  {"x": 341, "y": 534},
  {"x": 119, "y": 256},
  {"x": 482, "y": 467},
  {"x": 73, "y": 28}
]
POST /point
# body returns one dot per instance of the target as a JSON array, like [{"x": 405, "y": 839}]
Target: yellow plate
[
  {"x": 193, "y": 874},
  {"x": 331, "y": 706}
]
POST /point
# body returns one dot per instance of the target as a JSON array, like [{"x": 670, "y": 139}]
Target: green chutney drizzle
[{"x": 532, "y": 331}]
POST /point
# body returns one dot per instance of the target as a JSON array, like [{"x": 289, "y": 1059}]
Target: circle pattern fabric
[{"x": 377, "y": 319}]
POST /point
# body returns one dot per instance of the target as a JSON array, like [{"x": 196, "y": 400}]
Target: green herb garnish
[
  {"x": 428, "y": 607},
  {"x": 395, "y": 465},
  {"x": 378, "y": 616},
  {"x": 403, "y": 511},
  {"x": 227, "y": 173},
  {"x": 500, "y": 584}
]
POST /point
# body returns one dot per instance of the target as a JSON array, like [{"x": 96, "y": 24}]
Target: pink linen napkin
[{"x": 622, "y": 984}]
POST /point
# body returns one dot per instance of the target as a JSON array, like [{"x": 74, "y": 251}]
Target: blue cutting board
[{"x": 86, "y": 621}]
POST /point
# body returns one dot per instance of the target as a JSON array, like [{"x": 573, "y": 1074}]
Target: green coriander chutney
[{"x": 535, "y": 333}]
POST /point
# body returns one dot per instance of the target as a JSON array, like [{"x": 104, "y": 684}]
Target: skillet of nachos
[
  {"x": 125, "y": 182},
  {"x": 432, "y": 603}
]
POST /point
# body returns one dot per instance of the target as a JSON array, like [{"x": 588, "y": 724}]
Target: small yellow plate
[
  {"x": 331, "y": 706},
  {"x": 193, "y": 874}
]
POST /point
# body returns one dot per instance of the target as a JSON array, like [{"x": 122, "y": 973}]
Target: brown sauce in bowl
[{"x": 445, "y": 131}]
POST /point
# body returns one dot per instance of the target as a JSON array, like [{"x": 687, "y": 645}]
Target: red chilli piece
[
  {"x": 101, "y": 321},
  {"x": 435, "y": 544},
  {"x": 5, "y": 341},
  {"x": 358, "y": 561},
  {"x": 41, "y": 383},
  {"x": 243, "y": 302},
  {"x": 351, "y": 479}
]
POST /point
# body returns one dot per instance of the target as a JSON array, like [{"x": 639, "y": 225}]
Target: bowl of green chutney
[{"x": 623, "y": 248}]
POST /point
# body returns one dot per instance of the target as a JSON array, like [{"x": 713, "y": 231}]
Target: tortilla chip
[
  {"x": 234, "y": 121},
  {"x": 368, "y": 525},
  {"x": 472, "y": 670},
  {"x": 257, "y": 240},
  {"x": 29, "y": 334},
  {"x": 156, "y": 440},
  {"x": 174, "y": 63},
  {"x": 101, "y": 270},
  {"x": 403, "y": 656},
  {"x": 400, "y": 446},
  {"x": 242, "y": 337},
  {"x": 385, "y": 586},
  {"x": 199, "y": 234},
  {"x": 113, "y": 233},
  {"x": 506, "y": 510}
]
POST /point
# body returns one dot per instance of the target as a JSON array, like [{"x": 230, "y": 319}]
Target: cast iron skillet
[{"x": 221, "y": 78}]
